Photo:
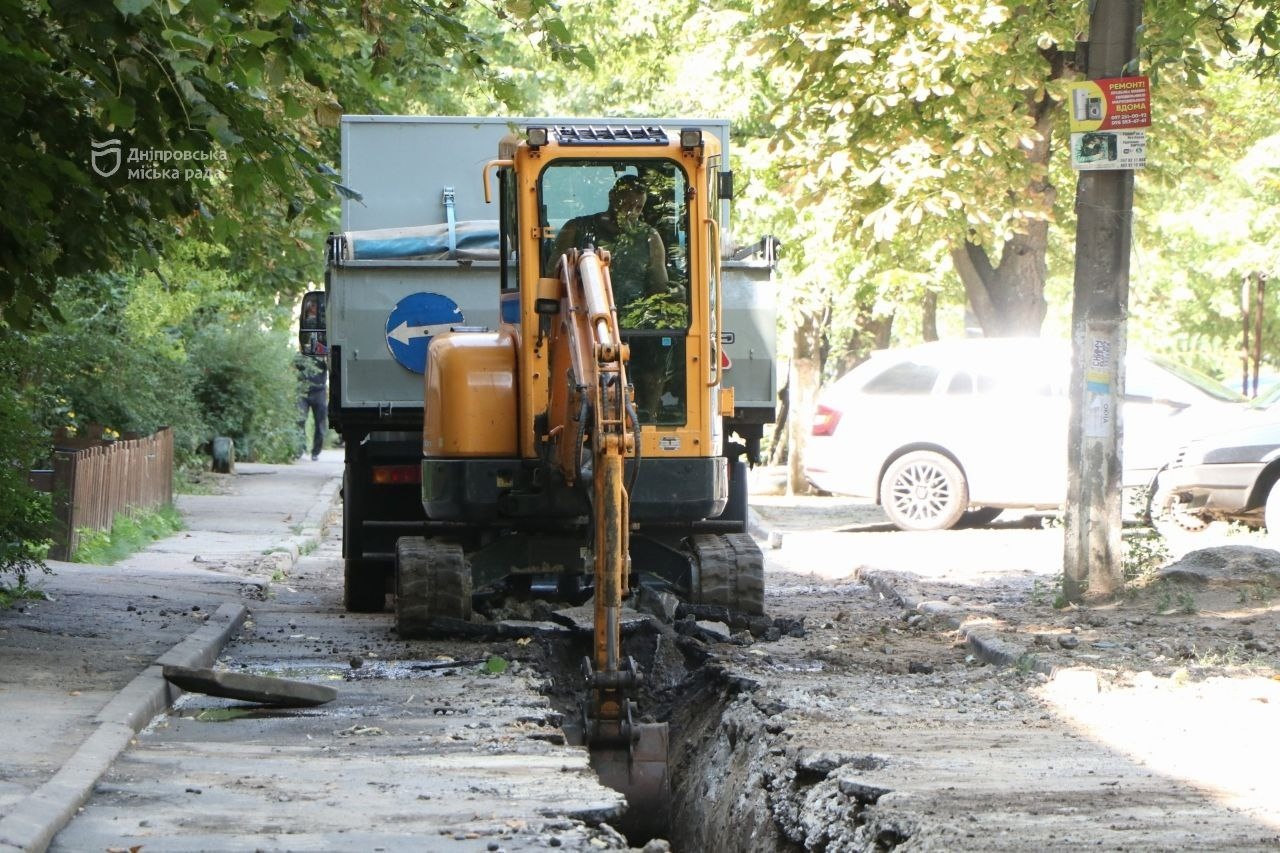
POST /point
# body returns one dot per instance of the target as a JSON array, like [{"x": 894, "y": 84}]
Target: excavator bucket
[{"x": 640, "y": 774}]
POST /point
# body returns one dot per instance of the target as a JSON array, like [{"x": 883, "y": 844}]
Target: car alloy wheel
[{"x": 924, "y": 490}]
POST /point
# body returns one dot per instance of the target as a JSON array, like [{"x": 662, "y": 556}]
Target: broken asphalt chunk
[{"x": 264, "y": 690}]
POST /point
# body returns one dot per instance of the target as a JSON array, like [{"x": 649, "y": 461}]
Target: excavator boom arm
[{"x": 598, "y": 363}]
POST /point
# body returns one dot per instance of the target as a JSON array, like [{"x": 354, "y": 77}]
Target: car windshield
[
  {"x": 1267, "y": 400},
  {"x": 1206, "y": 384}
]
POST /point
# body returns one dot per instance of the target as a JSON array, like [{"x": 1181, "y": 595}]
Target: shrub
[
  {"x": 244, "y": 380},
  {"x": 137, "y": 351},
  {"x": 25, "y": 515},
  {"x": 94, "y": 366}
]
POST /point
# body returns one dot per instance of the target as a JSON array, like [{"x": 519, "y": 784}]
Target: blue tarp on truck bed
[{"x": 475, "y": 239}]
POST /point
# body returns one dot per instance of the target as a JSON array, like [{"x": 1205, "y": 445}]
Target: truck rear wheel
[
  {"x": 364, "y": 582},
  {"x": 364, "y": 588},
  {"x": 729, "y": 572},
  {"x": 433, "y": 584}
]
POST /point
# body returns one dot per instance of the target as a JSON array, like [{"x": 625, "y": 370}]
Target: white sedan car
[{"x": 952, "y": 432}]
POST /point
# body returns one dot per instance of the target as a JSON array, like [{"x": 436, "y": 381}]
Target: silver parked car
[
  {"x": 953, "y": 432},
  {"x": 1228, "y": 475}
]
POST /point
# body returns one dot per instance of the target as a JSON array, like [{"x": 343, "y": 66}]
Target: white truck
[{"x": 417, "y": 255}]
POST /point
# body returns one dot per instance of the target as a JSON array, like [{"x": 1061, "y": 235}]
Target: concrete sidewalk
[{"x": 80, "y": 673}]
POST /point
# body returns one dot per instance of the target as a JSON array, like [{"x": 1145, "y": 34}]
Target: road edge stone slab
[
  {"x": 984, "y": 642},
  {"x": 310, "y": 532},
  {"x": 35, "y": 820}
]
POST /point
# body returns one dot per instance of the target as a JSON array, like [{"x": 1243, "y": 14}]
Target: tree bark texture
[
  {"x": 778, "y": 447},
  {"x": 1008, "y": 298},
  {"x": 806, "y": 376},
  {"x": 929, "y": 316}
]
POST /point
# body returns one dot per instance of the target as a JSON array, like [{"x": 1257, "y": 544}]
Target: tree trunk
[
  {"x": 929, "y": 320},
  {"x": 1008, "y": 299},
  {"x": 805, "y": 377},
  {"x": 877, "y": 332},
  {"x": 873, "y": 332},
  {"x": 778, "y": 447},
  {"x": 779, "y": 451}
]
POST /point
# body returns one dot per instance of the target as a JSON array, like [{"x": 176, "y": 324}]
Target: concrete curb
[
  {"x": 311, "y": 531},
  {"x": 316, "y": 518},
  {"x": 33, "y": 822},
  {"x": 981, "y": 639},
  {"x": 771, "y": 539}
]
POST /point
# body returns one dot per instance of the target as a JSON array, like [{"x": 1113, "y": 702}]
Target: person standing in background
[
  {"x": 312, "y": 393},
  {"x": 313, "y": 376}
]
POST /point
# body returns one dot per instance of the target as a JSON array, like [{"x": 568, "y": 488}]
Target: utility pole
[{"x": 1104, "y": 207}]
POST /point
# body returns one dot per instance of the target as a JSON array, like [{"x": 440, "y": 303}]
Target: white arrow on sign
[{"x": 405, "y": 333}]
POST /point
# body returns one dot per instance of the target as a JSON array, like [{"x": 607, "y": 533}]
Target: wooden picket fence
[{"x": 93, "y": 481}]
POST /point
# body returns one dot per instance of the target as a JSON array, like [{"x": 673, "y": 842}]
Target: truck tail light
[
  {"x": 825, "y": 420},
  {"x": 396, "y": 475}
]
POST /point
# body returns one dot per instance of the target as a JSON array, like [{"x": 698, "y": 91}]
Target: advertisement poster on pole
[{"x": 1109, "y": 118}]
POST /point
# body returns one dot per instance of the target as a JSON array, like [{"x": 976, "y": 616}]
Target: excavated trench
[{"x": 737, "y": 781}]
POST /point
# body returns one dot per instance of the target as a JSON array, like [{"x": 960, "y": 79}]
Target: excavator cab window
[
  {"x": 713, "y": 265},
  {"x": 638, "y": 211},
  {"x": 508, "y": 231}
]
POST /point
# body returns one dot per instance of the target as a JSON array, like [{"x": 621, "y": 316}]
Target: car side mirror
[{"x": 312, "y": 334}]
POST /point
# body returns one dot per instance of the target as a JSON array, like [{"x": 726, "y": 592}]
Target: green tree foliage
[
  {"x": 249, "y": 91},
  {"x": 664, "y": 58},
  {"x": 25, "y": 515},
  {"x": 181, "y": 346},
  {"x": 925, "y": 121},
  {"x": 929, "y": 120},
  {"x": 247, "y": 388},
  {"x": 1201, "y": 233},
  {"x": 96, "y": 366}
]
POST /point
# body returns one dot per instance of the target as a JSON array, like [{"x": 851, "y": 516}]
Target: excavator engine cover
[{"x": 471, "y": 396}]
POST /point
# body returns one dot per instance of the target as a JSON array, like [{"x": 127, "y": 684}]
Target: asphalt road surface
[{"x": 882, "y": 724}]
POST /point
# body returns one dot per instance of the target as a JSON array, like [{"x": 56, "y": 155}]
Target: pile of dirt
[
  {"x": 1212, "y": 612},
  {"x": 939, "y": 700},
  {"x": 1206, "y": 602},
  {"x": 886, "y": 726}
]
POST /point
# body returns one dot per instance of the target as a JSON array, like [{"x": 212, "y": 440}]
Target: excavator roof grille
[{"x": 610, "y": 134}]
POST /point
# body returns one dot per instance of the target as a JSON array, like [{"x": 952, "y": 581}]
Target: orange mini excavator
[{"x": 579, "y": 447}]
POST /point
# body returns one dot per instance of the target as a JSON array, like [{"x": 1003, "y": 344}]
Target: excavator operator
[
  {"x": 639, "y": 260},
  {"x": 637, "y": 269}
]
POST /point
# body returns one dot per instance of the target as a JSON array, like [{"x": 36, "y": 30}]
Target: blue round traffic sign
[{"x": 412, "y": 324}]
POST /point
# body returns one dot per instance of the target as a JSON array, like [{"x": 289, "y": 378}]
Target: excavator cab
[
  {"x": 637, "y": 210},
  {"x": 579, "y": 447}
]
